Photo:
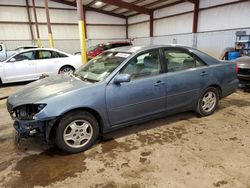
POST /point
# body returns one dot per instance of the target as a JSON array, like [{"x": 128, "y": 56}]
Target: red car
[{"x": 96, "y": 50}]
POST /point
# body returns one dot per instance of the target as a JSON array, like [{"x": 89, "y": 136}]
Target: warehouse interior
[
  {"x": 217, "y": 23},
  {"x": 181, "y": 149}
]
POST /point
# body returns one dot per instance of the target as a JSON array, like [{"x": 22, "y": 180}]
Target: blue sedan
[{"x": 120, "y": 87}]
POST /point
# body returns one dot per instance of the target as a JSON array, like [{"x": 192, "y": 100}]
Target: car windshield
[{"x": 101, "y": 66}]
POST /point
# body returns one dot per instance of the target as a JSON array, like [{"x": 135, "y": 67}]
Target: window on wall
[
  {"x": 144, "y": 65},
  {"x": 178, "y": 60}
]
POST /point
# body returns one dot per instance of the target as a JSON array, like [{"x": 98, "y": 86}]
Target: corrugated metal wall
[
  {"x": 66, "y": 34},
  {"x": 216, "y": 27}
]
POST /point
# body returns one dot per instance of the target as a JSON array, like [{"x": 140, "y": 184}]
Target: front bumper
[{"x": 37, "y": 128}]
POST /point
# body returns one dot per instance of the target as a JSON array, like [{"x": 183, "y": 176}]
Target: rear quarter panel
[
  {"x": 224, "y": 75},
  {"x": 221, "y": 73}
]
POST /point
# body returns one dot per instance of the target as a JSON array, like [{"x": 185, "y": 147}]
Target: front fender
[{"x": 92, "y": 98}]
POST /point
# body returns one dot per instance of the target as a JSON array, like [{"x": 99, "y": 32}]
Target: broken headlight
[{"x": 27, "y": 111}]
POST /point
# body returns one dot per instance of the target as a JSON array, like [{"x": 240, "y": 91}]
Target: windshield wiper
[{"x": 86, "y": 79}]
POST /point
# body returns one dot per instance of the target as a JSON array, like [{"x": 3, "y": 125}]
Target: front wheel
[
  {"x": 76, "y": 132},
  {"x": 208, "y": 102}
]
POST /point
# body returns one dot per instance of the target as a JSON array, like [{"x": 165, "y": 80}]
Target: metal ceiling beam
[
  {"x": 192, "y": 1},
  {"x": 104, "y": 6},
  {"x": 148, "y": 5},
  {"x": 89, "y": 8},
  {"x": 160, "y": 7},
  {"x": 91, "y": 3},
  {"x": 129, "y": 6},
  {"x": 154, "y": 3},
  {"x": 134, "y": 2},
  {"x": 169, "y": 5}
]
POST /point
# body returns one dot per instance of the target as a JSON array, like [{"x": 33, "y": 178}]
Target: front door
[
  {"x": 21, "y": 67},
  {"x": 144, "y": 95}
]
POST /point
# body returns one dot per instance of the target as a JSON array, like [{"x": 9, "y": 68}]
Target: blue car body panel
[{"x": 120, "y": 104}]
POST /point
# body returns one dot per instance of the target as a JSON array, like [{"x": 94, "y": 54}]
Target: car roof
[
  {"x": 36, "y": 49},
  {"x": 135, "y": 49},
  {"x": 118, "y": 42}
]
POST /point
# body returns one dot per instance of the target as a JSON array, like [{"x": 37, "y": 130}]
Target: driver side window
[
  {"x": 25, "y": 56},
  {"x": 144, "y": 65}
]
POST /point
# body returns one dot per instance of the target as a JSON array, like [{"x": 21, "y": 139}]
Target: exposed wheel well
[
  {"x": 93, "y": 112},
  {"x": 73, "y": 68},
  {"x": 218, "y": 89}
]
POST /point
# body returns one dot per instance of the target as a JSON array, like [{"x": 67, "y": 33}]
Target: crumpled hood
[{"x": 42, "y": 89}]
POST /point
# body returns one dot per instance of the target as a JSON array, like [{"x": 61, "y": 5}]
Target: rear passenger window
[
  {"x": 178, "y": 60},
  {"x": 44, "y": 54},
  {"x": 57, "y": 54}
]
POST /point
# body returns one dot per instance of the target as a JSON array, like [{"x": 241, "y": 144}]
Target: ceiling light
[{"x": 98, "y": 3}]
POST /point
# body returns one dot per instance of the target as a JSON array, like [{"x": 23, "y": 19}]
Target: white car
[{"x": 31, "y": 64}]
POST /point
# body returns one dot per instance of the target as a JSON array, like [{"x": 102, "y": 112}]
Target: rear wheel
[
  {"x": 66, "y": 69},
  {"x": 208, "y": 102},
  {"x": 76, "y": 132}
]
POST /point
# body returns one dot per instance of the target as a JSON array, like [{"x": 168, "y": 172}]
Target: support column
[
  {"x": 29, "y": 19},
  {"x": 85, "y": 25},
  {"x": 126, "y": 28},
  {"x": 37, "y": 28},
  {"x": 51, "y": 42},
  {"x": 82, "y": 31},
  {"x": 151, "y": 25},
  {"x": 196, "y": 15}
]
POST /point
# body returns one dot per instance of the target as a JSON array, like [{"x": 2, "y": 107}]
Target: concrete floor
[{"x": 178, "y": 151}]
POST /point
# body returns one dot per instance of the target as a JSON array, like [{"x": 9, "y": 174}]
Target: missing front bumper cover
[{"x": 30, "y": 128}]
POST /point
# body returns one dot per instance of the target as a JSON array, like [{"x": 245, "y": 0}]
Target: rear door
[
  {"x": 21, "y": 67},
  {"x": 144, "y": 95},
  {"x": 186, "y": 75}
]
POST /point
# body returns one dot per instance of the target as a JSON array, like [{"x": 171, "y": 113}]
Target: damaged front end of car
[{"x": 27, "y": 124}]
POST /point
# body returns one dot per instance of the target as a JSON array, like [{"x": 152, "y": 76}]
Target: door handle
[
  {"x": 159, "y": 83},
  {"x": 204, "y": 73}
]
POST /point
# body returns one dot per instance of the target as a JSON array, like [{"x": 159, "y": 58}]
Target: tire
[
  {"x": 210, "y": 95},
  {"x": 77, "y": 131},
  {"x": 66, "y": 69}
]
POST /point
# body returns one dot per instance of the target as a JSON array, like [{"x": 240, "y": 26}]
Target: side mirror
[
  {"x": 12, "y": 60},
  {"x": 122, "y": 78}
]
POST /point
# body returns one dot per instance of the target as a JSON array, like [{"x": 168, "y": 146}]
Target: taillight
[{"x": 236, "y": 68}]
